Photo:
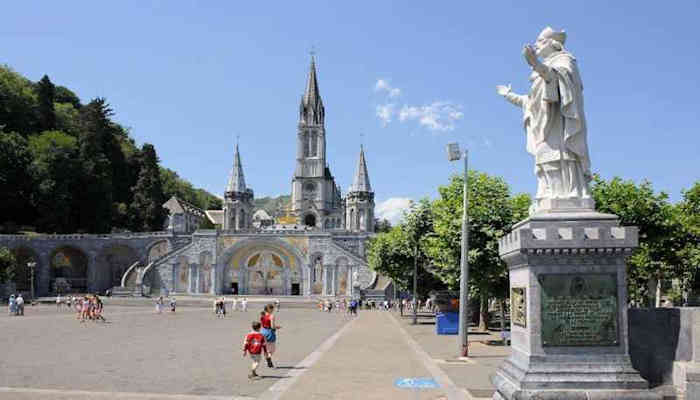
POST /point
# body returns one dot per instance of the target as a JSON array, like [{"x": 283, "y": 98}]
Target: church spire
[
  {"x": 236, "y": 181},
  {"x": 311, "y": 110},
  {"x": 361, "y": 181}
]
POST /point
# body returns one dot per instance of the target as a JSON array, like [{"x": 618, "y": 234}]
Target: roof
[
  {"x": 216, "y": 217},
  {"x": 236, "y": 181},
  {"x": 179, "y": 206},
  {"x": 262, "y": 215},
  {"x": 361, "y": 181}
]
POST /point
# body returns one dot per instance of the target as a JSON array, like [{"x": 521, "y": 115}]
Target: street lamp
[
  {"x": 31, "y": 266},
  {"x": 453, "y": 154}
]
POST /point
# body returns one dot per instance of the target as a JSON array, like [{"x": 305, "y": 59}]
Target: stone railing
[
  {"x": 81, "y": 236},
  {"x": 576, "y": 237}
]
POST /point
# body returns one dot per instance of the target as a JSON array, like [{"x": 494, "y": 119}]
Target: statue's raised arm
[{"x": 555, "y": 124}]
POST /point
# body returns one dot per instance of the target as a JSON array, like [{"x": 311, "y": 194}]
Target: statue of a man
[{"x": 555, "y": 124}]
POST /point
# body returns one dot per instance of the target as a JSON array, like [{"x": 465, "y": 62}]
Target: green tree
[
  {"x": 56, "y": 170},
  {"x": 492, "y": 213},
  {"x": 65, "y": 95},
  {"x": 67, "y": 119},
  {"x": 638, "y": 205},
  {"x": 15, "y": 180},
  {"x": 382, "y": 225},
  {"x": 173, "y": 185},
  {"x": 46, "y": 95},
  {"x": 95, "y": 200},
  {"x": 7, "y": 265},
  {"x": 17, "y": 102},
  {"x": 688, "y": 213},
  {"x": 393, "y": 253},
  {"x": 147, "y": 207}
]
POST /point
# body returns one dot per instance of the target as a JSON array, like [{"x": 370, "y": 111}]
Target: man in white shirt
[
  {"x": 20, "y": 304},
  {"x": 234, "y": 302}
]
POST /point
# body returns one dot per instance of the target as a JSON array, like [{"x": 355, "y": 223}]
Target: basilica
[{"x": 316, "y": 248}]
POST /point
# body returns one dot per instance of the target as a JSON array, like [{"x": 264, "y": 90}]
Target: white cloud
[
  {"x": 385, "y": 113},
  {"x": 383, "y": 85},
  {"x": 392, "y": 209},
  {"x": 439, "y": 116}
]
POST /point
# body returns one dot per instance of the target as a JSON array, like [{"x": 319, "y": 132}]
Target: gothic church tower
[
  {"x": 316, "y": 199},
  {"x": 238, "y": 200},
  {"x": 359, "y": 203}
]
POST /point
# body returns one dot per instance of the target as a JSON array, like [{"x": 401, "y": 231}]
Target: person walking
[
  {"x": 269, "y": 330},
  {"x": 223, "y": 307},
  {"x": 244, "y": 304},
  {"x": 277, "y": 304},
  {"x": 59, "y": 302},
  {"x": 173, "y": 303},
  {"x": 234, "y": 304},
  {"x": 12, "y": 305},
  {"x": 20, "y": 304},
  {"x": 254, "y": 344},
  {"x": 159, "y": 305}
]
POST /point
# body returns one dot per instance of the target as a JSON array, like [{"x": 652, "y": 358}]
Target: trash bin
[{"x": 447, "y": 323}]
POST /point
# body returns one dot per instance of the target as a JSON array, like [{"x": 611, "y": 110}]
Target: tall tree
[
  {"x": 147, "y": 207},
  {"x": 56, "y": 171},
  {"x": 95, "y": 200},
  {"x": 638, "y": 205},
  {"x": 492, "y": 213},
  {"x": 17, "y": 102},
  {"x": 15, "y": 180},
  {"x": 46, "y": 95}
]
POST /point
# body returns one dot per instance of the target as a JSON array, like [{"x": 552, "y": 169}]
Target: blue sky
[{"x": 190, "y": 76}]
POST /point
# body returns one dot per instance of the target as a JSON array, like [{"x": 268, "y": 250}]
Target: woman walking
[
  {"x": 269, "y": 331},
  {"x": 11, "y": 305}
]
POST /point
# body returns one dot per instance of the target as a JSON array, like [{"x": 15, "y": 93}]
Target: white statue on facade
[{"x": 554, "y": 120}]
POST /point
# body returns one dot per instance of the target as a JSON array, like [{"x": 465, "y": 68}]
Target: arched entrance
[
  {"x": 68, "y": 270},
  {"x": 112, "y": 263},
  {"x": 262, "y": 267},
  {"x": 310, "y": 220}
]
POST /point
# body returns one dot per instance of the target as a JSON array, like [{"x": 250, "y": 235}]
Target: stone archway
[
  {"x": 68, "y": 265},
  {"x": 310, "y": 220},
  {"x": 260, "y": 266},
  {"x": 23, "y": 274},
  {"x": 112, "y": 263}
]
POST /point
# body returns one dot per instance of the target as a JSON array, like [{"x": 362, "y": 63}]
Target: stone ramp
[{"x": 365, "y": 363}]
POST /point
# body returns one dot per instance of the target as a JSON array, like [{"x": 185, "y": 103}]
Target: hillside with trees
[{"x": 66, "y": 166}]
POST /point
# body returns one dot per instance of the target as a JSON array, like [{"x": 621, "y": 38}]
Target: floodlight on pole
[{"x": 453, "y": 154}]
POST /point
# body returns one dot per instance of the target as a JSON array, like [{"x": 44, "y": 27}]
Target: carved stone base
[{"x": 569, "y": 336}]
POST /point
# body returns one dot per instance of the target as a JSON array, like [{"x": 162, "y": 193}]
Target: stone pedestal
[{"x": 569, "y": 310}]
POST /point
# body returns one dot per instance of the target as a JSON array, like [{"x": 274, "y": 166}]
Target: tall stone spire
[
  {"x": 311, "y": 111},
  {"x": 361, "y": 181},
  {"x": 236, "y": 181}
]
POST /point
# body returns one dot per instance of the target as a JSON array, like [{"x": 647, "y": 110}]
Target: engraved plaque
[
  {"x": 579, "y": 309},
  {"x": 518, "y": 306}
]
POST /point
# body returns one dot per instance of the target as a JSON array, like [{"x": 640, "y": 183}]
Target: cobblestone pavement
[{"x": 189, "y": 355}]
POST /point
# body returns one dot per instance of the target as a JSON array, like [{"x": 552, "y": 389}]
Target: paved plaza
[{"x": 191, "y": 355}]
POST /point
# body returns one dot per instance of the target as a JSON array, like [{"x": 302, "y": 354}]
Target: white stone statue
[
  {"x": 555, "y": 124},
  {"x": 356, "y": 279}
]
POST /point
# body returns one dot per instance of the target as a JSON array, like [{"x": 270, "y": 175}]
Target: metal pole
[
  {"x": 415, "y": 287},
  {"x": 464, "y": 266},
  {"x": 31, "y": 267}
]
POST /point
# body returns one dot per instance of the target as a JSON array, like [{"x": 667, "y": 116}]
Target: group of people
[
  {"x": 262, "y": 340},
  {"x": 16, "y": 305},
  {"x": 220, "y": 305},
  {"x": 160, "y": 304},
  {"x": 87, "y": 308},
  {"x": 338, "y": 305}
]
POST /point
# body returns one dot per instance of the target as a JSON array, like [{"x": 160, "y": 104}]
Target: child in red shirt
[{"x": 254, "y": 344}]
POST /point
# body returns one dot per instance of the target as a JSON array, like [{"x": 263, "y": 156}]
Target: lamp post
[
  {"x": 31, "y": 266},
  {"x": 453, "y": 154}
]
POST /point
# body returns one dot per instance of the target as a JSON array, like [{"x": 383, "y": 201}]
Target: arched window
[
  {"x": 352, "y": 219},
  {"x": 241, "y": 221}
]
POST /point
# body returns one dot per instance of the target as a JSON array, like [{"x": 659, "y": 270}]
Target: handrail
[{"x": 128, "y": 270}]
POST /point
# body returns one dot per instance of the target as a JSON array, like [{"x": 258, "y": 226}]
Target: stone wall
[{"x": 665, "y": 346}]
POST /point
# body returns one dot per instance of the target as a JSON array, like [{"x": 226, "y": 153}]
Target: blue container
[{"x": 447, "y": 323}]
